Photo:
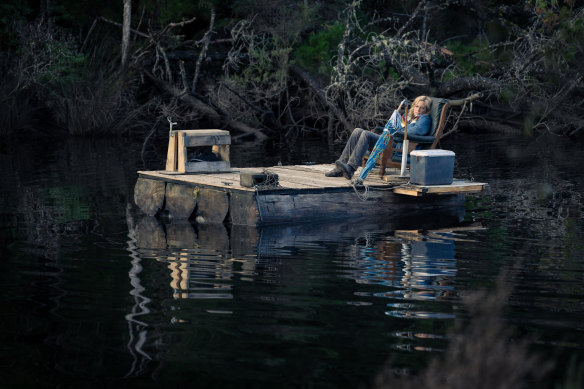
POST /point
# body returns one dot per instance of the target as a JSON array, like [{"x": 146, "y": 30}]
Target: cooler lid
[{"x": 432, "y": 153}]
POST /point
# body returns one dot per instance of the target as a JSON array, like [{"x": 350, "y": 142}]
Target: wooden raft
[{"x": 303, "y": 194}]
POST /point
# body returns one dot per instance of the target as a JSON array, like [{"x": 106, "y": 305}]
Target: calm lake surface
[{"x": 94, "y": 294}]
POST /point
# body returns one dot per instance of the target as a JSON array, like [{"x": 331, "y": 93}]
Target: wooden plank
[
  {"x": 222, "y": 151},
  {"x": 316, "y": 206},
  {"x": 228, "y": 180},
  {"x": 457, "y": 187},
  {"x": 206, "y": 137},
  {"x": 392, "y": 175},
  {"x": 292, "y": 180},
  {"x": 323, "y": 168},
  {"x": 171, "y": 157},
  {"x": 180, "y": 200},
  {"x": 302, "y": 178},
  {"x": 207, "y": 167},
  {"x": 288, "y": 208},
  {"x": 212, "y": 206},
  {"x": 313, "y": 175},
  {"x": 209, "y": 140},
  {"x": 182, "y": 152},
  {"x": 206, "y": 131},
  {"x": 288, "y": 181},
  {"x": 149, "y": 195},
  {"x": 408, "y": 192}
]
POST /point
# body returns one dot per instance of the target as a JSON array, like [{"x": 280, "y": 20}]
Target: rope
[
  {"x": 271, "y": 181},
  {"x": 363, "y": 195},
  {"x": 356, "y": 183}
]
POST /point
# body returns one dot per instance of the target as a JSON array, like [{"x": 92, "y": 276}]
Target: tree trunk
[
  {"x": 470, "y": 83},
  {"x": 46, "y": 14},
  {"x": 126, "y": 32}
]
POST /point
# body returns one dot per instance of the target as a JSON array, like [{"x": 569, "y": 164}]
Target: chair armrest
[{"x": 414, "y": 138}]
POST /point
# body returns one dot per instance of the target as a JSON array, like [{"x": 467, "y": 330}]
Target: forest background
[{"x": 287, "y": 68}]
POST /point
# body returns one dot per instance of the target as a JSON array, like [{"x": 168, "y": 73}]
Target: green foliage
[
  {"x": 47, "y": 57},
  {"x": 67, "y": 65},
  {"x": 10, "y": 12},
  {"x": 473, "y": 58},
  {"x": 266, "y": 69},
  {"x": 316, "y": 52},
  {"x": 284, "y": 20},
  {"x": 571, "y": 34},
  {"x": 508, "y": 93},
  {"x": 69, "y": 202}
]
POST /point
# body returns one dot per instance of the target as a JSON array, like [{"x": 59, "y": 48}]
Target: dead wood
[
  {"x": 470, "y": 83},
  {"x": 314, "y": 85},
  {"x": 206, "y": 110},
  {"x": 469, "y": 99},
  {"x": 126, "y": 32},
  {"x": 206, "y": 39}
]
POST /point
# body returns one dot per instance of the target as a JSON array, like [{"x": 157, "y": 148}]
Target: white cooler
[{"x": 431, "y": 167}]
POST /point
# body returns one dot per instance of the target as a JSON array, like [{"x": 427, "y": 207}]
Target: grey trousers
[{"x": 359, "y": 142}]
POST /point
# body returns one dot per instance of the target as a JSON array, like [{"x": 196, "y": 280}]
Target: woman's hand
[{"x": 404, "y": 101}]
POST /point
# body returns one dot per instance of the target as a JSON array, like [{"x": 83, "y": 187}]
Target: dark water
[{"x": 92, "y": 293}]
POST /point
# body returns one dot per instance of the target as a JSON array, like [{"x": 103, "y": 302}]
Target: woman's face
[{"x": 420, "y": 108}]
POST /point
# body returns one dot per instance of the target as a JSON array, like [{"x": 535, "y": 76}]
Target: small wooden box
[{"x": 177, "y": 157}]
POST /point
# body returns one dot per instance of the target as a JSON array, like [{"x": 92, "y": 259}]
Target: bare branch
[
  {"x": 407, "y": 24},
  {"x": 202, "y": 54},
  {"x": 126, "y": 32},
  {"x": 321, "y": 95},
  {"x": 139, "y": 33},
  {"x": 206, "y": 110}
]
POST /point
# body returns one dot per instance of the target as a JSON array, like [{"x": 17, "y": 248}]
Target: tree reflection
[{"x": 137, "y": 329}]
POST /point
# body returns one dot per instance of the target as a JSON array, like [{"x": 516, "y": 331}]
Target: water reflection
[
  {"x": 137, "y": 329},
  {"x": 216, "y": 270},
  {"x": 416, "y": 265},
  {"x": 205, "y": 261}
]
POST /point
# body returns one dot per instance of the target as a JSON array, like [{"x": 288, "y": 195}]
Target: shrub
[{"x": 316, "y": 52}]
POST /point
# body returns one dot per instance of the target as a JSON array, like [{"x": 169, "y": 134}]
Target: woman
[{"x": 360, "y": 141}]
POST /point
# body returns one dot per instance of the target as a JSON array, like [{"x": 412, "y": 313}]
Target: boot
[
  {"x": 336, "y": 172},
  {"x": 346, "y": 169}
]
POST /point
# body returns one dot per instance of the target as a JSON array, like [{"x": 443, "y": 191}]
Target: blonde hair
[{"x": 426, "y": 100}]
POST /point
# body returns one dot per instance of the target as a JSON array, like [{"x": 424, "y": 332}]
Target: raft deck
[{"x": 302, "y": 193}]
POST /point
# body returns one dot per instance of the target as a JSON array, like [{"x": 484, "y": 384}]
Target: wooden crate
[{"x": 219, "y": 140}]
